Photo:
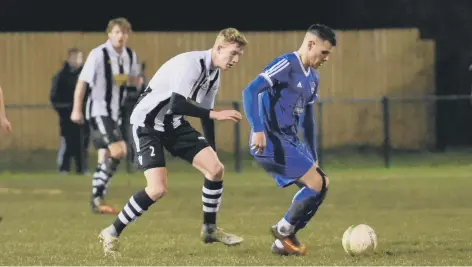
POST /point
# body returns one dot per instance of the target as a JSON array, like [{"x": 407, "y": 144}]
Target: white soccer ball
[{"x": 359, "y": 239}]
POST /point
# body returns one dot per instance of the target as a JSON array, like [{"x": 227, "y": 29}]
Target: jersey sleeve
[
  {"x": 185, "y": 77},
  {"x": 89, "y": 71},
  {"x": 277, "y": 71}
]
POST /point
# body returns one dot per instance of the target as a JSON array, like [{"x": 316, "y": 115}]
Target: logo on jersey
[
  {"x": 298, "y": 108},
  {"x": 205, "y": 84},
  {"x": 313, "y": 86},
  {"x": 120, "y": 79}
]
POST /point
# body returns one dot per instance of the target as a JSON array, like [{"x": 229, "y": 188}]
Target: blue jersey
[
  {"x": 277, "y": 102},
  {"x": 292, "y": 88}
]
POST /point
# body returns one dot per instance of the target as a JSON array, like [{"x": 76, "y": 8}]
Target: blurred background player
[
  {"x": 108, "y": 70},
  {"x": 276, "y": 102},
  {"x": 74, "y": 138},
  {"x": 5, "y": 125},
  {"x": 185, "y": 85}
]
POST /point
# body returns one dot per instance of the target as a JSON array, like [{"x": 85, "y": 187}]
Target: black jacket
[{"x": 63, "y": 87}]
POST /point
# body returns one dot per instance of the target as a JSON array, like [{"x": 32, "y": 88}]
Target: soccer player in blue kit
[{"x": 276, "y": 102}]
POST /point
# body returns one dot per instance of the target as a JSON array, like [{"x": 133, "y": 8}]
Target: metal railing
[{"x": 384, "y": 110}]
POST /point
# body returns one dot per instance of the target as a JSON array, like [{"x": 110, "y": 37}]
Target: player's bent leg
[
  {"x": 207, "y": 162},
  {"x": 107, "y": 135},
  {"x": 108, "y": 164},
  {"x": 99, "y": 180},
  {"x": 138, "y": 203},
  {"x": 152, "y": 161},
  {"x": 317, "y": 182},
  {"x": 304, "y": 206},
  {"x": 315, "y": 179},
  {"x": 117, "y": 151},
  {"x": 156, "y": 183}
]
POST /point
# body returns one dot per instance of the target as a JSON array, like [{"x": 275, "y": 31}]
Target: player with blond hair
[{"x": 186, "y": 85}]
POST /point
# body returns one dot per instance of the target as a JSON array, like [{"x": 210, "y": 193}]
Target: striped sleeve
[
  {"x": 89, "y": 71},
  {"x": 277, "y": 71}
]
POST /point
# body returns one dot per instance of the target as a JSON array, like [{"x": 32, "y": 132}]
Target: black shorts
[
  {"x": 105, "y": 131},
  {"x": 184, "y": 142}
]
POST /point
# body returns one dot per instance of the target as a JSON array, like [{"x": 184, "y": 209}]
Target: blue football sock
[
  {"x": 304, "y": 221},
  {"x": 309, "y": 213},
  {"x": 304, "y": 205}
]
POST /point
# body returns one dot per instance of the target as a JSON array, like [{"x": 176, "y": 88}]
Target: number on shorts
[{"x": 152, "y": 151}]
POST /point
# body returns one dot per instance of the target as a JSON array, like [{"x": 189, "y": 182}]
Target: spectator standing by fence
[{"x": 73, "y": 137}]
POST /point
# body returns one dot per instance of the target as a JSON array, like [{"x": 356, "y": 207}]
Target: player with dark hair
[{"x": 276, "y": 103}]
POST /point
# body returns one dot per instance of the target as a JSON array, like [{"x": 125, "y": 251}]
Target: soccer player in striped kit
[
  {"x": 186, "y": 85},
  {"x": 108, "y": 70}
]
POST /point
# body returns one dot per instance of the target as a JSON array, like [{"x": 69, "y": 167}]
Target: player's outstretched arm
[
  {"x": 251, "y": 109},
  {"x": 179, "y": 105},
  {"x": 4, "y": 123},
  {"x": 307, "y": 127},
  {"x": 251, "y": 103}
]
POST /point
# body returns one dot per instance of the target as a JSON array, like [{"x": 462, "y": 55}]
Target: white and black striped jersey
[
  {"x": 107, "y": 72},
  {"x": 189, "y": 74}
]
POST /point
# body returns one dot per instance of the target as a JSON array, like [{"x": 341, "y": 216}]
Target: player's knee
[
  {"x": 117, "y": 154},
  {"x": 216, "y": 171},
  {"x": 117, "y": 150},
  {"x": 326, "y": 182},
  {"x": 318, "y": 185},
  {"x": 156, "y": 183},
  {"x": 323, "y": 180},
  {"x": 318, "y": 182},
  {"x": 156, "y": 192}
]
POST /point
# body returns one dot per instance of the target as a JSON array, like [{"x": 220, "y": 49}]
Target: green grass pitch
[{"x": 422, "y": 216}]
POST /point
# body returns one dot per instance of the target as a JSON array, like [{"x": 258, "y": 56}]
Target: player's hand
[
  {"x": 77, "y": 117},
  {"x": 226, "y": 115},
  {"x": 258, "y": 142},
  {"x": 5, "y": 125}
]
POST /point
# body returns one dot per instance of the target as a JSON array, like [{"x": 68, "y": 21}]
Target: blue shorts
[{"x": 287, "y": 164}]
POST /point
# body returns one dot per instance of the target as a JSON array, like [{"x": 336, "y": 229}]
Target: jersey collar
[
  {"x": 307, "y": 72},
  {"x": 208, "y": 60}
]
